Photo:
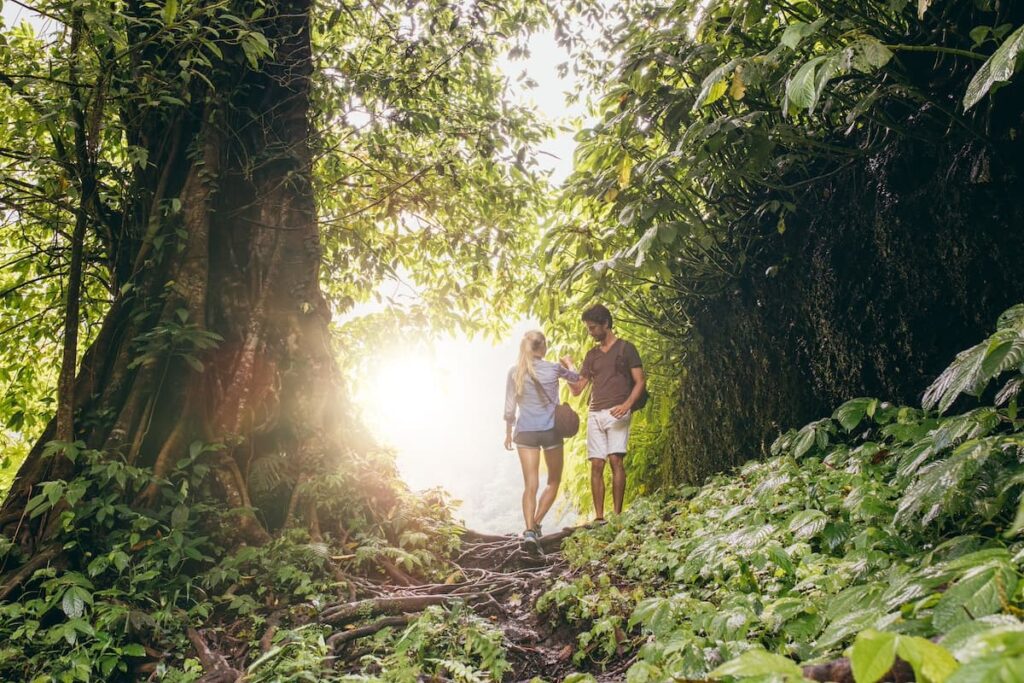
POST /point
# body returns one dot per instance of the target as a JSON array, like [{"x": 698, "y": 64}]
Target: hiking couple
[{"x": 615, "y": 373}]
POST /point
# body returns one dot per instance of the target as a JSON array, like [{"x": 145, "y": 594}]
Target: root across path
[
  {"x": 500, "y": 581},
  {"x": 494, "y": 576}
]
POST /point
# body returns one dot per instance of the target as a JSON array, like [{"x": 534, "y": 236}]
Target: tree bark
[{"x": 219, "y": 242}]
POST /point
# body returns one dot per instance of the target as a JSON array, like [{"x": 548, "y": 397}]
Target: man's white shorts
[{"x": 606, "y": 434}]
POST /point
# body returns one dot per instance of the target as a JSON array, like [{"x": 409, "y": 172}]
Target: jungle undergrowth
[{"x": 884, "y": 533}]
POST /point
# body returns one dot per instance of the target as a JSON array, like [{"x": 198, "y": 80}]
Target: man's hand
[
  {"x": 508, "y": 442},
  {"x": 619, "y": 410}
]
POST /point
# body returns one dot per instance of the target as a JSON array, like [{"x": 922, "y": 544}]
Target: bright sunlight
[{"x": 439, "y": 406}]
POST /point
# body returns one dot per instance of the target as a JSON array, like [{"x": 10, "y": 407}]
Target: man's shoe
[
  {"x": 531, "y": 542},
  {"x": 536, "y": 530}
]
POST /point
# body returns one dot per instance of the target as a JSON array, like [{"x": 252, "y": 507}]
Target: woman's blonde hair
[{"x": 532, "y": 341}]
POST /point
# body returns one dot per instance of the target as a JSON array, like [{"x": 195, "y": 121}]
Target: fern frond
[{"x": 267, "y": 472}]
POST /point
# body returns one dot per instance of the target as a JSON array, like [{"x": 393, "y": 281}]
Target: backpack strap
[
  {"x": 621, "y": 343},
  {"x": 540, "y": 388}
]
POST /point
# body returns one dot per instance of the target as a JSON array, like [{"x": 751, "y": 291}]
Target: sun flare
[{"x": 403, "y": 399}]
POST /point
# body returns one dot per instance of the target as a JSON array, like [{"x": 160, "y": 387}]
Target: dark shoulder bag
[
  {"x": 567, "y": 422},
  {"x": 641, "y": 400}
]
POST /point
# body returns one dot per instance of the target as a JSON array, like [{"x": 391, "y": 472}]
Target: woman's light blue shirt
[{"x": 535, "y": 413}]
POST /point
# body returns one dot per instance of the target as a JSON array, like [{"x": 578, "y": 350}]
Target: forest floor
[{"x": 496, "y": 578}]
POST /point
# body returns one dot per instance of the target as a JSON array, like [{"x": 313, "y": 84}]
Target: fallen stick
[{"x": 336, "y": 640}]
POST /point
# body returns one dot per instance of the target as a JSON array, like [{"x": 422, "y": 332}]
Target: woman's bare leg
[
  {"x": 553, "y": 458},
  {"x": 529, "y": 460}
]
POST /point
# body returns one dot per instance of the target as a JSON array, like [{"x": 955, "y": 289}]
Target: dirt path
[{"x": 502, "y": 582}]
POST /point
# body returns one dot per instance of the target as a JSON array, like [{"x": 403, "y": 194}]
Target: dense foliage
[
  {"x": 780, "y": 189},
  {"x": 723, "y": 129},
  {"x": 882, "y": 526}
]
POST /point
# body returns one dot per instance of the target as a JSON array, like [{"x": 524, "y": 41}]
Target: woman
[{"x": 532, "y": 388}]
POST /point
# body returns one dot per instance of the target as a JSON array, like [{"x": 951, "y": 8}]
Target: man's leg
[
  {"x": 553, "y": 458},
  {"x": 618, "y": 438},
  {"x": 618, "y": 464},
  {"x": 597, "y": 486},
  {"x": 597, "y": 451},
  {"x": 529, "y": 460}
]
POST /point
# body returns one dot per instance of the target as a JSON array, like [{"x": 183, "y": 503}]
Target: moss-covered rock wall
[{"x": 886, "y": 271}]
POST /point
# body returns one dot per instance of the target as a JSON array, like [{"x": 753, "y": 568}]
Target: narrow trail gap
[{"x": 501, "y": 582}]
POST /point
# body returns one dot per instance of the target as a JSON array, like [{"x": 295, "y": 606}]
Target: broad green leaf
[
  {"x": 800, "y": 89},
  {"x": 870, "y": 54},
  {"x": 872, "y": 655},
  {"x": 931, "y": 663},
  {"x": 994, "y": 669},
  {"x": 851, "y": 413},
  {"x": 625, "y": 171},
  {"x": 808, "y": 523},
  {"x": 999, "y": 68},
  {"x": 799, "y": 30},
  {"x": 759, "y": 663},
  {"x": 972, "y": 597},
  {"x": 714, "y": 85},
  {"x": 170, "y": 11}
]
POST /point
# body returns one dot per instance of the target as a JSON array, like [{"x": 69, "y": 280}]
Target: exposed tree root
[
  {"x": 498, "y": 580},
  {"x": 15, "y": 580},
  {"x": 840, "y": 671},
  {"x": 337, "y": 640},
  {"x": 214, "y": 664},
  {"x": 339, "y": 615}
]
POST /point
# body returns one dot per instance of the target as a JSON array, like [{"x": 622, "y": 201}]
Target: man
[{"x": 614, "y": 370}]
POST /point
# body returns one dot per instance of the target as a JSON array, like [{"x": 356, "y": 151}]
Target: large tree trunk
[{"x": 222, "y": 336}]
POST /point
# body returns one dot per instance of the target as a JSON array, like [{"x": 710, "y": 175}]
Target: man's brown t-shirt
[{"x": 609, "y": 373}]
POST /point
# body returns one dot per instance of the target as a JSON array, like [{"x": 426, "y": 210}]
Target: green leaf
[
  {"x": 931, "y": 663},
  {"x": 873, "y": 654},
  {"x": 133, "y": 650},
  {"x": 170, "y": 11},
  {"x": 870, "y": 54},
  {"x": 799, "y": 30},
  {"x": 972, "y": 597},
  {"x": 995, "y": 669},
  {"x": 851, "y": 413},
  {"x": 74, "y": 601},
  {"x": 808, "y": 523},
  {"x": 179, "y": 517},
  {"x": 999, "y": 68},
  {"x": 800, "y": 89},
  {"x": 714, "y": 85},
  {"x": 759, "y": 663}
]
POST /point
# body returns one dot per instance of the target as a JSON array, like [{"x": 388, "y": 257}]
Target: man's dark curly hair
[{"x": 597, "y": 314}]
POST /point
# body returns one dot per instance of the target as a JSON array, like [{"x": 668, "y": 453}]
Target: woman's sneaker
[{"x": 531, "y": 542}]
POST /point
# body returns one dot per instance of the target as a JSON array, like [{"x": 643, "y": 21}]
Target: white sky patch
[
  {"x": 441, "y": 410},
  {"x": 548, "y": 97}
]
